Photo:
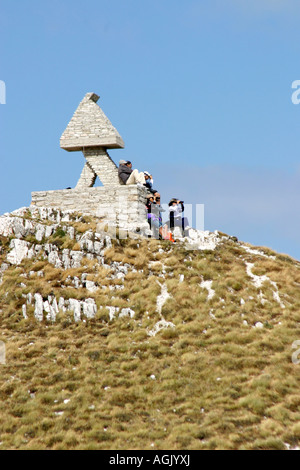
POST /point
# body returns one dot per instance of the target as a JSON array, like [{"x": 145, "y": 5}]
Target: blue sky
[{"x": 199, "y": 90}]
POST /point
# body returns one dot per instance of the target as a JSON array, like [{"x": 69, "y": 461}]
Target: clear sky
[{"x": 200, "y": 91}]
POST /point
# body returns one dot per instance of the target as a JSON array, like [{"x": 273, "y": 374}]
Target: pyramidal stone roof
[{"x": 89, "y": 127}]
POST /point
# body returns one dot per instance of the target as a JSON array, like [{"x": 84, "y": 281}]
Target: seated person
[
  {"x": 149, "y": 183},
  {"x": 149, "y": 180},
  {"x": 129, "y": 176}
]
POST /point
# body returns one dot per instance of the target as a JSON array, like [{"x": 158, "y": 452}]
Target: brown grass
[{"x": 212, "y": 382}]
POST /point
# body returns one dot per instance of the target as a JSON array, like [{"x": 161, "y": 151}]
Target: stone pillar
[
  {"x": 87, "y": 178},
  {"x": 102, "y": 165}
]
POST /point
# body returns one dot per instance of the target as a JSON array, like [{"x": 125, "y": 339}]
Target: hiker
[
  {"x": 176, "y": 208},
  {"x": 129, "y": 176},
  {"x": 154, "y": 218},
  {"x": 153, "y": 215},
  {"x": 157, "y": 202},
  {"x": 164, "y": 228}
]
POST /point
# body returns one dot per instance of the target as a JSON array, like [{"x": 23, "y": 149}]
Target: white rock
[
  {"x": 40, "y": 232},
  {"x": 65, "y": 217},
  {"x": 112, "y": 312},
  {"x": 11, "y": 226},
  {"x": 61, "y": 304},
  {"x": 39, "y": 307},
  {"x": 212, "y": 315},
  {"x": 66, "y": 259},
  {"x": 55, "y": 306},
  {"x": 76, "y": 282},
  {"x": 29, "y": 227},
  {"x": 71, "y": 232},
  {"x": 24, "y": 311},
  {"x": 177, "y": 233},
  {"x": 75, "y": 306},
  {"x": 91, "y": 286},
  {"x": 98, "y": 247},
  {"x": 49, "y": 230},
  {"x": 162, "y": 298},
  {"x": 108, "y": 242},
  {"x": 51, "y": 313},
  {"x": 258, "y": 281},
  {"x": 89, "y": 308},
  {"x": 76, "y": 257},
  {"x": 54, "y": 259},
  {"x": 127, "y": 312},
  {"x": 202, "y": 240},
  {"x": 256, "y": 252},
  {"x": 207, "y": 285},
  {"x": 20, "y": 212},
  {"x": 19, "y": 251},
  {"x": 162, "y": 324}
]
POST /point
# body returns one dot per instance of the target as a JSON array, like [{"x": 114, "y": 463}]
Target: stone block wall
[
  {"x": 98, "y": 163},
  {"x": 102, "y": 165},
  {"x": 123, "y": 205},
  {"x": 89, "y": 127}
]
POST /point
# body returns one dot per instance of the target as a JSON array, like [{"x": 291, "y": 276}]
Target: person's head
[
  {"x": 157, "y": 197},
  {"x": 122, "y": 162},
  {"x": 147, "y": 175},
  {"x": 173, "y": 202},
  {"x": 150, "y": 199},
  {"x": 129, "y": 164}
]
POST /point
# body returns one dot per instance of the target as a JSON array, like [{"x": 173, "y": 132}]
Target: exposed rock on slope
[
  {"x": 107, "y": 337},
  {"x": 67, "y": 241},
  {"x": 45, "y": 228}
]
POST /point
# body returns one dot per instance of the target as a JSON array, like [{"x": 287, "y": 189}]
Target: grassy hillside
[{"x": 186, "y": 349}]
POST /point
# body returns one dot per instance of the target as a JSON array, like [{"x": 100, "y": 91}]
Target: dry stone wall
[
  {"x": 116, "y": 204},
  {"x": 102, "y": 165},
  {"x": 98, "y": 163},
  {"x": 89, "y": 127}
]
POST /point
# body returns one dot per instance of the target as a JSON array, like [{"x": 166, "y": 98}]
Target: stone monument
[{"x": 91, "y": 132}]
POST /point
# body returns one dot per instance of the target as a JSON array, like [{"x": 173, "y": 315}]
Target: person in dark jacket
[{"x": 129, "y": 176}]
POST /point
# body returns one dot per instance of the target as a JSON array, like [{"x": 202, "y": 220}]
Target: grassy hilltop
[{"x": 174, "y": 348}]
